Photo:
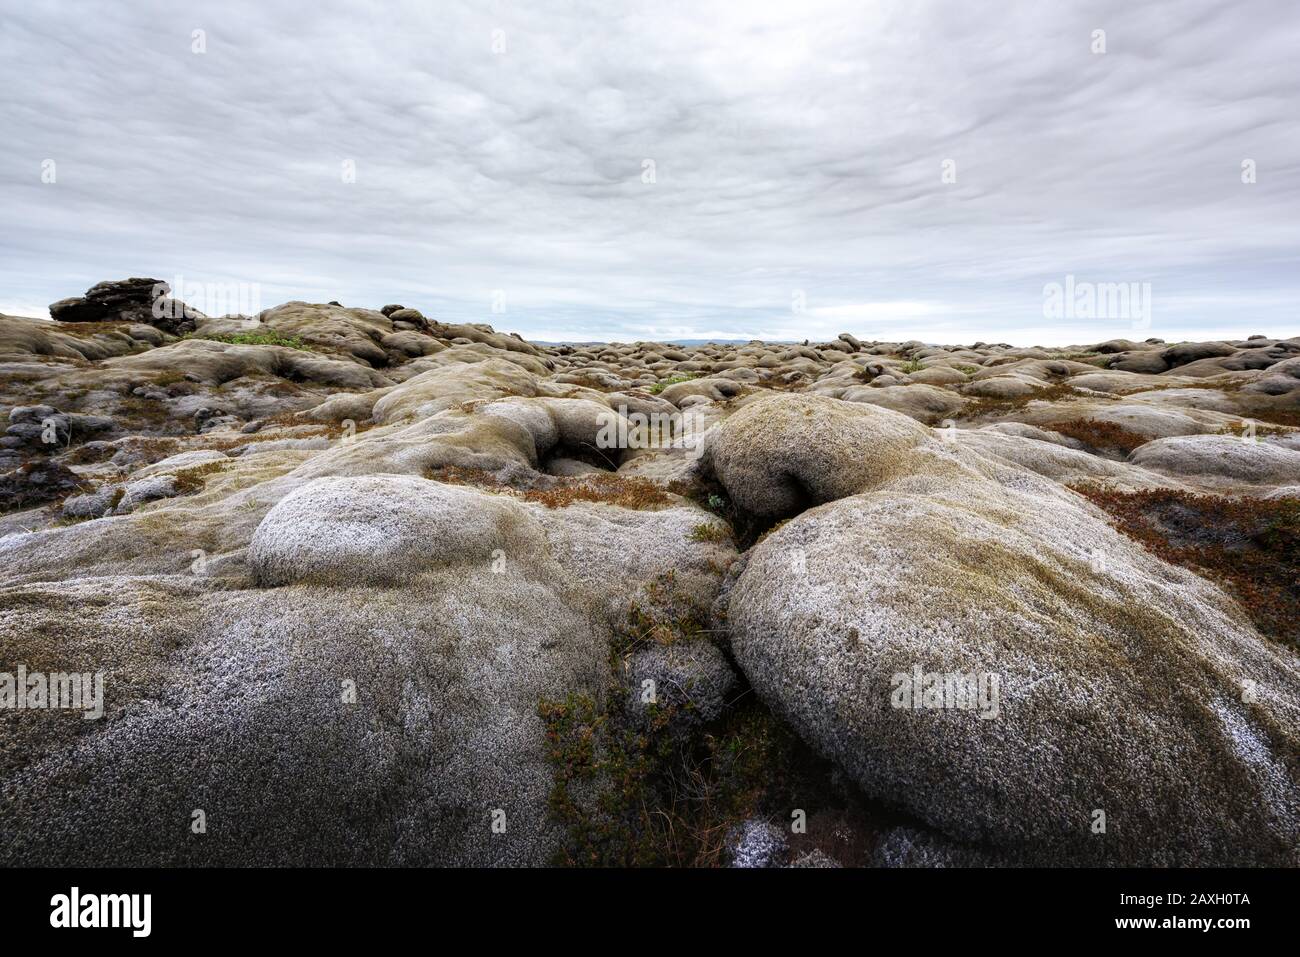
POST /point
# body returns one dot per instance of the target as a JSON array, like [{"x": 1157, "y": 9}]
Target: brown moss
[
  {"x": 710, "y": 532},
  {"x": 1250, "y": 546},
  {"x": 457, "y": 475},
  {"x": 1100, "y": 435},
  {"x": 555, "y": 492},
  {"x": 153, "y": 447},
  {"x": 981, "y": 406},
  {"x": 637, "y": 493},
  {"x": 194, "y": 479},
  {"x": 1283, "y": 417},
  {"x": 139, "y": 414},
  {"x": 81, "y": 455}
]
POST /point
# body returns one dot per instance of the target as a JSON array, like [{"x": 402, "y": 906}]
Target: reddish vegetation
[
  {"x": 1100, "y": 435},
  {"x": 1251, "y": 546},
  {"x": 611, "y": 489},
  {"x": 1282, "y": 417}
]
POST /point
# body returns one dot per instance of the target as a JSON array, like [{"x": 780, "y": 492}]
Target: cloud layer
[{"x": 798, "y": 151}]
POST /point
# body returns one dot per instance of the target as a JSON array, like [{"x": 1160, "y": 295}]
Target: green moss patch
[
  {"x": 672, "y": 380},
  {"x": 268, "y": 337}
]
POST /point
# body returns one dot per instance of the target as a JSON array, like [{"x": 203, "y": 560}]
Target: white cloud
[{"x": 796, "y": 147}]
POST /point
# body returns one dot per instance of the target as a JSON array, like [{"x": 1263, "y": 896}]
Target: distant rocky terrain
[{"x": 370, "y": 588}]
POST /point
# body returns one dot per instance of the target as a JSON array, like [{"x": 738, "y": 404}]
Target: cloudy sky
[{"x": 661, "y": 170}]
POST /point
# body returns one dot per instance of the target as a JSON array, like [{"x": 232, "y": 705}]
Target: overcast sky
[{"x": 798, "y": 157}]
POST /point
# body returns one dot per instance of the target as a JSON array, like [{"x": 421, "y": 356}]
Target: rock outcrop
[{"x": 136, "y": 300}]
